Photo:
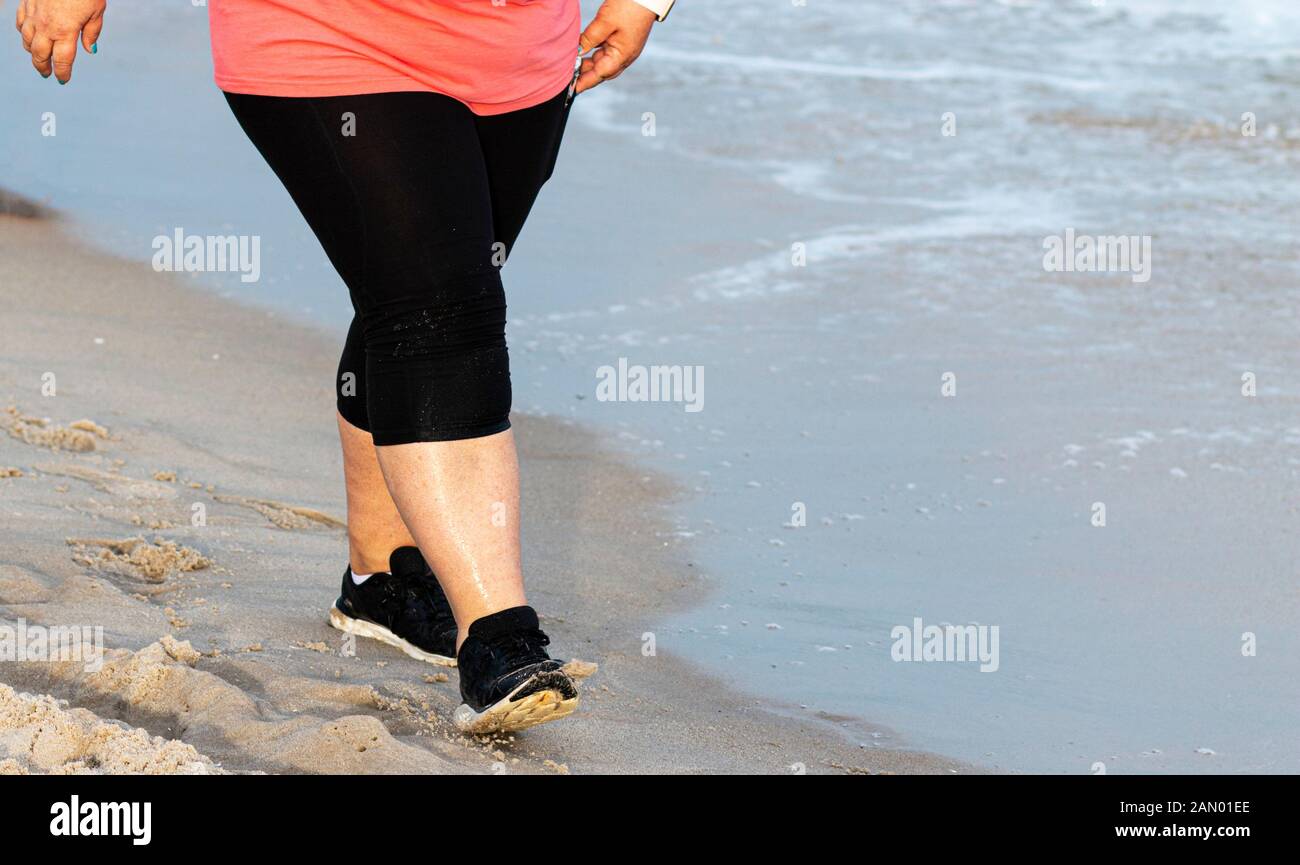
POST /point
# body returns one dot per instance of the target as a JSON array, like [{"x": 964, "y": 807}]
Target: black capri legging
[{"x": 417, "y": 202}]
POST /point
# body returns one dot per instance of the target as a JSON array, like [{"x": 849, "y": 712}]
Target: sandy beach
[
  {"x": 167, "y": 402},
  {"x": 848, "y": 223}
]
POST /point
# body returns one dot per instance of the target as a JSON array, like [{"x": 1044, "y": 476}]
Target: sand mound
[
  {"x": 78, "y": 436},
  {"x": 580, "y": 669},
  {"x": 40, "y": 736},
  {"x": 136, "y": 557}
]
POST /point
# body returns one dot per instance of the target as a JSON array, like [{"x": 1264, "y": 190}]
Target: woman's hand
[
  {"x": 50, "y": 29},
  {"x": 618, "y": 33}
]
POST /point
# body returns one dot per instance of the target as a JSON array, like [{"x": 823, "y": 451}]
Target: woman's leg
[
  {"x": 475, "y": 482},
  {"x": 375, "y": 528},
  {"x": 431, "y": 316},
  {"x": 461, "y": 500},
  {"x": 467, "y": 489}
]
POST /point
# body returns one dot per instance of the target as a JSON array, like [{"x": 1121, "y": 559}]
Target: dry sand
[{"x": 182, "y": 489}]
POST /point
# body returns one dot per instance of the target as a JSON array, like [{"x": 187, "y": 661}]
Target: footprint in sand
[
  {"x": 113, "y": 484},
  {"x": 282, "y": 515},
  {"x": 19, "y": 586},
  {"x": 292, "y": 724}
]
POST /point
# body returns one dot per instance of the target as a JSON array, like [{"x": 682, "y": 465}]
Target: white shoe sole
[
  {"x": 362, "y": 628},
  {"x": 505, "y": 716}
]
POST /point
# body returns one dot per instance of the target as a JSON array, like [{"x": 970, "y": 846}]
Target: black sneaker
[
  {"x": 404, "y": 608},
  {"x": 507, "y": 681}
]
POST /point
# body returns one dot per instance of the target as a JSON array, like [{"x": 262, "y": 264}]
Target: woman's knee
[{"x": 437, "y": 367}]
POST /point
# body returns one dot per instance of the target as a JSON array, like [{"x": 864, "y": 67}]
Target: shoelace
[
  {"x": 427, "y": 611},
  {"x": 515, "y": 649},
  {"x": 390, "y": 596},
  {"x": 424, "y": 592}
]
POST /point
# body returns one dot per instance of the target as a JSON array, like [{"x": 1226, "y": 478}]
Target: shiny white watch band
[{"x": 659, "y": 7}]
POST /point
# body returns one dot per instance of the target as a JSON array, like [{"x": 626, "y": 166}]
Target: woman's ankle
[{"x": 368, "y": 561}]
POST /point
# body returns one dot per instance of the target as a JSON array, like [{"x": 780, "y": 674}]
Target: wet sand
[{"x": 169, "y": 402}]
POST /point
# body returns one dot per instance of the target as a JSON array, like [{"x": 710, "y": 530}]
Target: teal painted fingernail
[
  {"x": 45, "y": 75},
  {"x": 62, "y": 82},
  {"x": 94, "y": 48}
]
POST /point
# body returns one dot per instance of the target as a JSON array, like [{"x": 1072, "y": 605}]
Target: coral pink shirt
[{"x": 493, "y": 55}]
